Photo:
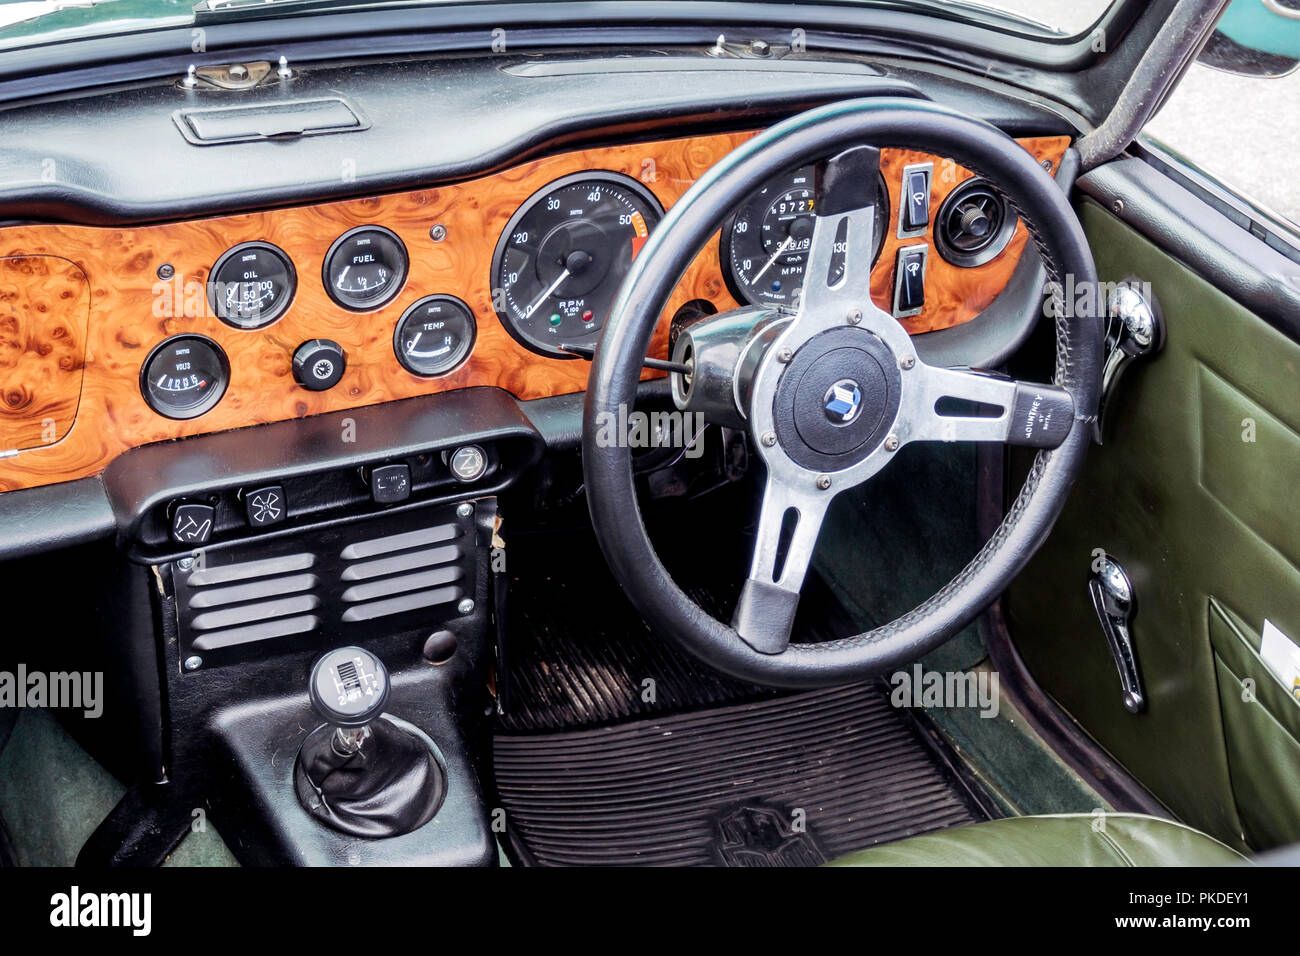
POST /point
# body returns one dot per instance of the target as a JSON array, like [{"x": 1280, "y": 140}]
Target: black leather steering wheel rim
[{"x": 616, "y": 371}]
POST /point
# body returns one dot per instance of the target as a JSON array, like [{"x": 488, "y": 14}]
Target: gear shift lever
[
  {"x": 348, "y": 689},
  {"x": 363, "y": 772}
]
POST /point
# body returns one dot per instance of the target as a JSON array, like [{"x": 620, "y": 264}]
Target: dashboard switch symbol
[
  {"x": 390, "y": 483},
  {"x": 468, "y": 463},
  {"x": 192, "y": 523},
  {"x": 265, "y": 506},
  {"x": 319, "y": 364}
]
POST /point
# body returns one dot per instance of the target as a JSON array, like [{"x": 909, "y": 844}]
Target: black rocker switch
[
  {"x": 390, "y": 484},
  {"x": 191, "y": 522},
  {"x": 264, "y": 506},
  {"x": 916, "y": 210},
  {"x": 909, "y": 281}
]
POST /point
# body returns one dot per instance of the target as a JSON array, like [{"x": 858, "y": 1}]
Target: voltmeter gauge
[
  {"x": 365, "y": 268},
  {"x": 434, "y": 336},
  {"x": 251, "y": 285},
  {"x": 184, "y": 376}
]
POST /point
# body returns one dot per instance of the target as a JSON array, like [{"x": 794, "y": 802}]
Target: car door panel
[{"x": 1194, "y": 494}]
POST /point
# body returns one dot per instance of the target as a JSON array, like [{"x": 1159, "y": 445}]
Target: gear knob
[{"x": 348, "y": 687}]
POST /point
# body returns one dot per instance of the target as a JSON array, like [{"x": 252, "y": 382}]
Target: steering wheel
[{"x": 830, "y": 392}]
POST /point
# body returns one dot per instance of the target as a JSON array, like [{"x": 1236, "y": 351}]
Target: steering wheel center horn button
[
  {"x": 836, "y": 399},
  {"x": 842, "y": 402}
]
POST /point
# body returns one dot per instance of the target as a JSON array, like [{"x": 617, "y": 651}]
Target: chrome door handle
[{"x": 1134, "y": 329}]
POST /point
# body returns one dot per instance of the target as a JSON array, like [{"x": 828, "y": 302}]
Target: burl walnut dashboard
[{"x": 112, "y": 338}]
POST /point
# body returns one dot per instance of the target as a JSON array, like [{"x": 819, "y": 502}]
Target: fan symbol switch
[{"x": 264, "y": 506}]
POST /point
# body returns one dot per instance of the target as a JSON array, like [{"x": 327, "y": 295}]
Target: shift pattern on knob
[{"x": 348, "y": 687}]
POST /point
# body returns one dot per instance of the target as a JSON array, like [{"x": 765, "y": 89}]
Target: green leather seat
[{"x": 1070, "y": 839}]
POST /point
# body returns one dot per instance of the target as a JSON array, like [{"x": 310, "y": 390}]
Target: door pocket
[{"x": 1261, "y": 728}]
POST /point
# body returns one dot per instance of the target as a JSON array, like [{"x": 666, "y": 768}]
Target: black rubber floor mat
[
  {"x": 579, "y": 654},
  {"x": 795, "y": 779}
]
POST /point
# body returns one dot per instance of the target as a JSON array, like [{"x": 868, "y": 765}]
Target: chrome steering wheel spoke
[
  {"x": 949, "y": 405},
  {"x": 790, "y": 519}
]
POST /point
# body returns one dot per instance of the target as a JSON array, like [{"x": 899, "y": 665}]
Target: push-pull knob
[{"x": 1113, "y": 597}]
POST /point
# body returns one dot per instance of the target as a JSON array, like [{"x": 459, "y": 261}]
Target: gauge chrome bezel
[
  {"x": 741, "y": 291},
  {"x": 465, "y": 350},
  {"x": 507, "y": 318},
  {"x": 208, "y": 402},
  {"x": 271, "y": 315},
  {"x": 366, "y": 305}
]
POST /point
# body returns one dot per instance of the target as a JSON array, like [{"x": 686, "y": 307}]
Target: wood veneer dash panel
[{"x": 131, "y": 310}]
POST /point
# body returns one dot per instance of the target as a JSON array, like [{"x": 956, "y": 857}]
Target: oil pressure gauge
[
  {"x": 434, "y": 335},
  {"x": 251, "y": 285},
  {"x": 365, "y": 268}
]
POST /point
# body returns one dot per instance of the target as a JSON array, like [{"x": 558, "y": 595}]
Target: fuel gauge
[
  {"x": 365, "y": 268},
  {"x": 434, "y": 335}
]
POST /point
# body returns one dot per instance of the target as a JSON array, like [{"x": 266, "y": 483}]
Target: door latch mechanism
[{"x": 1113, "y": 597}]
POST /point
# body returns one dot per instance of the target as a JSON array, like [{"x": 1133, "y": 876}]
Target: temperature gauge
[
  {"x": 184, "y": 376},
  {"x": 434, "y": 335},
  {"x": 365, "y": 268}
]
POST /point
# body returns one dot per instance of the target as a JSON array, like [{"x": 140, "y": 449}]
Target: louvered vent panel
[
  {"x": 372, "y": 578},
  {"x": 252, "y": 601},
  {"x": 402, "y": 572}
]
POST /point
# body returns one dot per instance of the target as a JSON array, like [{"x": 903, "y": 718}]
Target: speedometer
[
  {"x": 563, "y": 255},
  {"x": 765, "y": 244}
]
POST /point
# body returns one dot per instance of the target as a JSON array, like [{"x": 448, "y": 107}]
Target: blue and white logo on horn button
[{"x": 843, "y": 402}]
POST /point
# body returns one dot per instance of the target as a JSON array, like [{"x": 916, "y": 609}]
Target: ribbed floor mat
[
  {"x": 580, "y": 654},
  {"x": 788, "y": 780}
]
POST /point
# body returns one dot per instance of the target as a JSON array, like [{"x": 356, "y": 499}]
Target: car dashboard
[{"x": 123, "y": 336}]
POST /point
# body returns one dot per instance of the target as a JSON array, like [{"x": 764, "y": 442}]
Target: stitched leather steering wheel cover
[{"x": 655, "y": 272}]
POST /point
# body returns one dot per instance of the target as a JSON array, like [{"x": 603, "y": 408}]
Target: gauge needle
[
  {"x": 342, "y": 276},
  {"x": 528, "y": 312},
  {"x": 776, "y": 255}
]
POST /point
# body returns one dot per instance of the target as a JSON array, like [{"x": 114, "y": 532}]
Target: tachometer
[
  {"x": 765, "y": 244},
  {"x": 561, "y": 258},
  {"x": 184, "y": 376}
]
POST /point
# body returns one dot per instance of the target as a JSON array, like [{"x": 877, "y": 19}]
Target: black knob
[
  {"x": 319, "y": 364},
  {"x": 348, "y": 687}
]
